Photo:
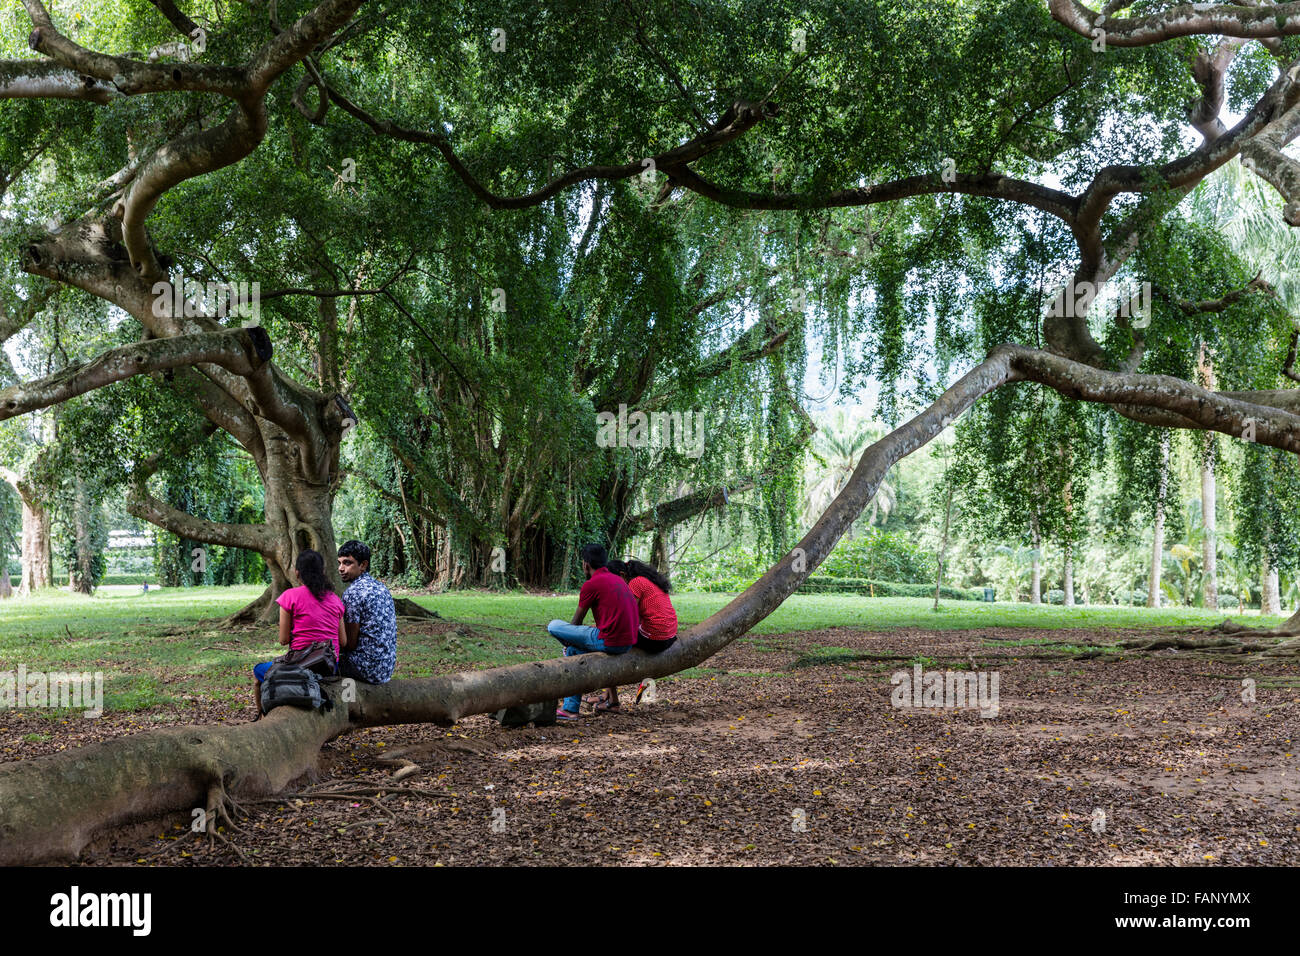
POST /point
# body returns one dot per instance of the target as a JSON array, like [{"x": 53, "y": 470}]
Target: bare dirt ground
[{"x": 786, "y": 749}]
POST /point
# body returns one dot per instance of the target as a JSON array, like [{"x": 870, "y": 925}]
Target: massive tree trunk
[{"x": 299, "y": 474}]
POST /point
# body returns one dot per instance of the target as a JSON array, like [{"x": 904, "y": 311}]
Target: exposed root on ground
[
  {"x": 405, "y": 607},
  {"x": 218, "y": 801}
]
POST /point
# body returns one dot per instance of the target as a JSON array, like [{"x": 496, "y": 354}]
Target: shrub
[{"x": 880, "y": 555}]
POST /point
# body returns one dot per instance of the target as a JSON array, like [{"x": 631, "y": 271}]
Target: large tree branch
[
  {"x": 741, "y": 117},
  {"x": 206, "y": 150},
  {"x": 1210, "y": 71},
  {"x": 44, "y": 79},
  {"x": 244, "y": 83},
  {"x": 251, "y": 537},
  {"x": 176, "y": 17},
  {"x": 194, "y": 155},
  {"x": 1130, "y": 392},
  {"x": 243, "y": 351},
  {"x": 1186, "y": 19},
  {"x": 1222, "y": 303},
  {"x": 1182, "y": 173},
  {"x": 13, "y": 321},
  {"x": 1263, "y": 155},
  {"x": 17, "y": 482},
  {"x": 1270, "y": 120},
  {"x": 141, "y": 504},
  {"x": 88, "y": 255},
  {"x": 993, "y": 185},
  {"x": 127, "y": 76},
  {"x": 224, "y": 412}
]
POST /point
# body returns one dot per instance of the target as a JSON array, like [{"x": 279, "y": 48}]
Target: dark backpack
[
  {"x": 296, "y": 686},
  {"x": 317, "y": 657},
  {"x": 539, "y": 715}
]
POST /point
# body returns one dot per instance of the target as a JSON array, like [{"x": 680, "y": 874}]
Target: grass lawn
[{"x": 153, "y": 649}]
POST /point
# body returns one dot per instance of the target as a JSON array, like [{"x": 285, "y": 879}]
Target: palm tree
[
  {"x": 1244, "y": 208},
  {"x": 1240, "y": 574},
  {"x": 1021, "y": 562},
  {"x": 837, "y": 445}
]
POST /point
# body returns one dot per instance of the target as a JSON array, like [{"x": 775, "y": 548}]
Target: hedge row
[
  {"x": 62, "y": 580},
  {"x": 819, "y": 584}
]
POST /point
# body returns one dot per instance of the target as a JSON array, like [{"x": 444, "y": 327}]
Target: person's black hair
[
  {"x": 639, "y": 569},
  {"x": 311, "y": 569},
  {"x": 615, "y": 566},
  {"x": 357, "y": 551},
  {"x": 595, "y": 555}
]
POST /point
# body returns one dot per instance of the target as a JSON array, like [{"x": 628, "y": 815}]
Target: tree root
[
  {"x": 405, "y": 607},
  {"x": 1288, "y": 648},
  {"x": 218, "y": 800},
  {"x": 405, "y": 767},
  {"x": 1229, "y": 626},
  {"x": 252, "y": 615},
  {"x": 1182, "y": 643}
]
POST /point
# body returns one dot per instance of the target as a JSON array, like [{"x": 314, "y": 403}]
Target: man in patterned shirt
[{"x": 371, "y": 621}]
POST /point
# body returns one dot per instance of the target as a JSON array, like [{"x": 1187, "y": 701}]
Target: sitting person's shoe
[{"x": 564, "y": 716}]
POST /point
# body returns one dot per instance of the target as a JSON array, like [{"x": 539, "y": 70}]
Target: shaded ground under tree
[{"x": 1185, "y": 772}]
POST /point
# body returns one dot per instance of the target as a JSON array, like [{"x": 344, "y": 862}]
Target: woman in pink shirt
[{"x": 309, "y": 613}]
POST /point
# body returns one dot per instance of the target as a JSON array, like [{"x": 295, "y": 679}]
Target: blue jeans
[{"x": 579, "y": 639}]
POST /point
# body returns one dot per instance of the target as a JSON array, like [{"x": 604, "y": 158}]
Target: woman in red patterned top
[{"x": 658, "y": 630}]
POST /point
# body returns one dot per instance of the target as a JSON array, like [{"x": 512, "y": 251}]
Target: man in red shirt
[{"x": 614, "y": 609}]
